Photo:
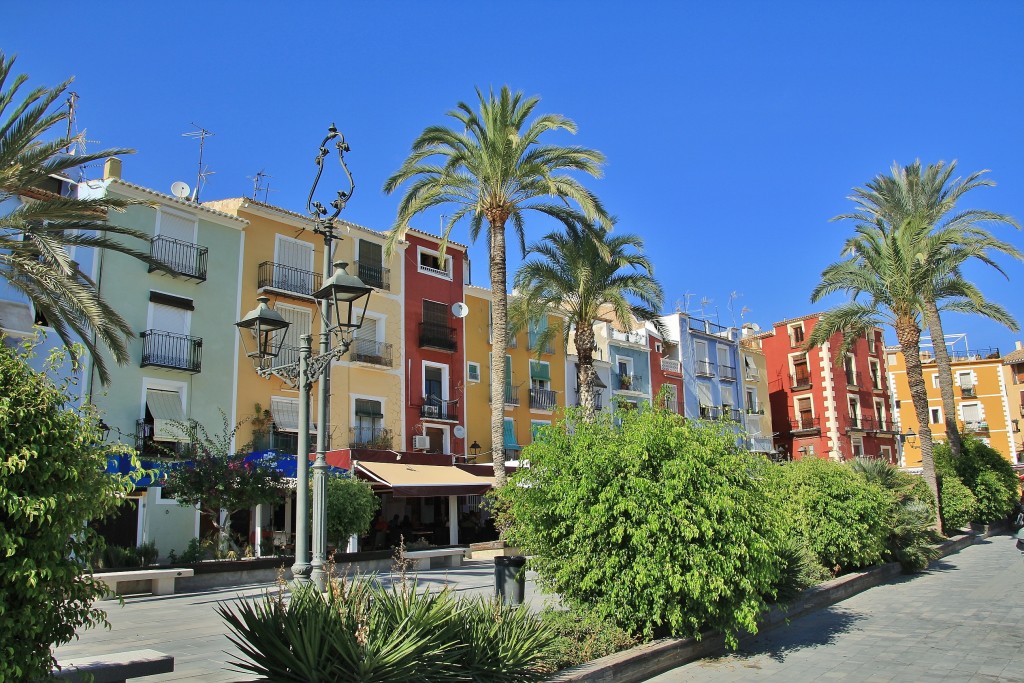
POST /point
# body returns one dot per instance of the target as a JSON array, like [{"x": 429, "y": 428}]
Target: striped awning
[
  {"x": 510, "y": 435},
  {"x": 286, "y": 415},
  {"x": 165, "y": 408},
  {"x": 423, "y": 480}
]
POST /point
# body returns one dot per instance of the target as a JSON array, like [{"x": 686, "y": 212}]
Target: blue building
[{"x": 709, "y": 355}]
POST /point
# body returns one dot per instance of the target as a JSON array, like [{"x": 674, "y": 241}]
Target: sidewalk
[
  {"x": 188, "y": 627},
  {"x": 963, "y": 620}
]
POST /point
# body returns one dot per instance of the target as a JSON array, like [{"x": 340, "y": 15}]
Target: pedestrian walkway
[
  {"x": 188, "y": 627},
  {"x": 963, "y": 620}
]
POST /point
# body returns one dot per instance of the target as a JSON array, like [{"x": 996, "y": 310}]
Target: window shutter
[
  {"x": 370, "y": 254},
  {"x": 540, "y": 370},
  {"x": 367, "y": 408},
  {"x": 169, "y": 319},
  {"x": 177, "y": 227}
]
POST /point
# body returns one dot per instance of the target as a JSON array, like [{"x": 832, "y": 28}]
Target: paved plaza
[{"x": 963, "y": 620}]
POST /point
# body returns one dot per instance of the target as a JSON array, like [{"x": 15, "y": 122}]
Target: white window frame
[
  {"x": 628, "y": 361},
  {"x": 935, "y": 415},
  {"x": 857, "y": 443},
  {"x": 935, "y": 380},
  {"x": 972, "y": 383},
  {"x": 278, "y": 239},
  {"x": 796, "y": 404},
  {"x": 981, "y": 411},
  {"x": 446, "y": 440},
  {"x": 445, "y": 378},
  {"x": 875, "y": 370},
  {"x": 885, "y": 452},
  {"x": 188, "y": 313},
  {"x": 853, "y": 406},
  {"x": 181, "y": 388},
  {"x": 367, "y": 397},
  {"x": 792, "y": 328},
  {"x": 470, "y": 365},
  {"x": 160, "y": 211},
  {"x": 880, "y": 412},
  {"x": 546, "y": 383},
  {"x": 698, "y": 345},
  {"x": 445, "y": 274}
]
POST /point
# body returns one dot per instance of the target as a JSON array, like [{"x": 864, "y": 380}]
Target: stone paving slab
[{"x": 963, "y": 620}]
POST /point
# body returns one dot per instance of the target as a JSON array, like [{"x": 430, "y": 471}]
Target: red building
[
  {"x": 435, "y": 410},
  {"x": 825, "y": 406},
  {"x": 666, "y": 373}
]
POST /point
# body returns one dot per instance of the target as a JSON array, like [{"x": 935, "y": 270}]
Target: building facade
[
  {"x": 825, "y": 406},
  {"x": 1013, "y": 379}
]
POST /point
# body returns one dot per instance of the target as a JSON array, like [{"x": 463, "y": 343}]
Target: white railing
[
  {"x": 669, "y": 365},
  {"x": 435, "y": 272},
  {"x": 634, "y": 337}
]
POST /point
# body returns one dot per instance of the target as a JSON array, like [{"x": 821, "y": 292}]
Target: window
[
  {"x": 540, "y": 375},
  {"x": 750, "y": 369},
  {"x": 876, "y": 374},
  {"x": 891, "y": 359},
  {"x": 805, "y": 412},
  {"x": 751, "y": 401},
  {"x": 854, "y": 412},
  {"x": 293, "y": 265},
  {"x": 536, "y": 426},
  {"x": 473, "y": 371},
  {"x": 880, "y": 414},
  {"x": 971, "y": 414},
  {"x": 850, "y": 369},
  {"x": 801, "y": 371},
  {"x": 858, "y": 446},
  {"x": 935, "y": 381},
  {"x": 965, "y": 379},
  {"x": 657, "y": 347},
  {"x": 371, "y": 264},
  {"x": 885, "y": 453},
  {"x": 872, "y": 341},
  {"x": 434, "y": 384},
  {"x": 669, "y": 397},
  {"x": 796, "y": 334},
  {"x": 367, "y": 422},
  {"x": 935, "y": 415},
  {"x": 176, "y": 226},
  {"x": 703, "y": 361},
  {"x": 704, "y": 398},
  {"x": 301, "y": 322},
  {"x": 430, "y": 263},
  {"x": 725, "y": 367}
]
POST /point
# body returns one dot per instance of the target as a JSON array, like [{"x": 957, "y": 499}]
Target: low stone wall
[{"x": 650, "y": 659}]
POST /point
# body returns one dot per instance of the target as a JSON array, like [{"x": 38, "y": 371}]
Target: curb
[{"x": 650, "y": 659}]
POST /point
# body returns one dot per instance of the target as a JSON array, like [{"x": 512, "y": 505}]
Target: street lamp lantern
[
  {"x": 263, "y": 322},
  {"x": 343, "y": 293}
]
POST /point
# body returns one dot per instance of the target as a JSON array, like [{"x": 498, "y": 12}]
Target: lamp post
[{"x": 339, "y": 298}]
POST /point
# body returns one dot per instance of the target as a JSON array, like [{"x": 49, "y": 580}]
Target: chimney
[
  {"x": 112, "y": 168},
  {"x": 1018, "y": 345}
]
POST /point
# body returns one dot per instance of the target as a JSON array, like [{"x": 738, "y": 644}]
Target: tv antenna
[
  {"x": 203, "y": 172},
  {"x": 257, "y": 185},
  {"x": 704, "y": 301},
  {"x": 72, "y": 100},
  {"x": 733, "y": 295}
]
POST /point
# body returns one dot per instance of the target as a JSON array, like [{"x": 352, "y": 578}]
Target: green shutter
[
  {"x": 367, "y": 408},
  {"x": 510, "y": 434},
  {"x": 540, "y": 370}
]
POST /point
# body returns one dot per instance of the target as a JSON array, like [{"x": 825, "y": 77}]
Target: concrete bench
[
  {"x": 115, "y": 668},
  {"x": 161, "y": 581},
  {"x": 421, "y": 558}
]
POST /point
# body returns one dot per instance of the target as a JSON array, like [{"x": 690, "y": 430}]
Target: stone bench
[
  {"x": 420, "y": 559},
  {"x": 161, "y": 581},
  {"x": 115, "y": 668}
]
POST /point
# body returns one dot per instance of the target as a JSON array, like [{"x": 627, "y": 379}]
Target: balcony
[
  {"x": 282, "y": 442},
  {"x": 976, "y": 427},
  {"x": 370, "y": 439},
  {"x": 438, "y": 336},
  {"x": 638, "y": 337},
  {"x": 805, "y": 423},
  {"x": 852, "y": 378},
  {"x": 511, "y": 395},
  {"x": 148, "y": 446},
  {"x": 598, "y": 401},
  {"x": 627, "y": 382},
  {"x": 859, "y": 424},
  {"x": 435, "y": 408},
  {"x": 968, "y": 392},
  {"x": 710, "y": 413},
  {"x": 288, "y": 279},
  {"x": 732, "y": 414},
  {"x": 670, "y": 366},
  {"x": 705, "y": 368},
  {"x": 184, "y": 258},
  {"x": 726, "y": 373},
  {"x": 373, "y": 353},
  {"x": 754, "y": 411},
  {"x": 170, "y": 350},
  {"x": 708, "y": 327},
  {"x": 374, "y": 275},
  {"x": 542, "y": 399},
  {"x": 800, "y": 380}
]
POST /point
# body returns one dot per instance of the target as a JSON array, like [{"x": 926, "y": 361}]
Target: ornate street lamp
[{"x": 339, "y": 298}]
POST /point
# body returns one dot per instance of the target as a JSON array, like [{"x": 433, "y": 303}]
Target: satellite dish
[
  {"x": 460, "y": 431},
  {"x": 179, "y": 189},
  {"x": 460, "y": 310}
]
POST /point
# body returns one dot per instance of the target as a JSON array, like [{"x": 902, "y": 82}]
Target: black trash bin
[{"x": 510, "y": 578}]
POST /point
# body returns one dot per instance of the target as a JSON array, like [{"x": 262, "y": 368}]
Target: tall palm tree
[
  {"x": 923, "y": 200},
  {"x": 494, "y": 168},
  {"x": 581, "y": 279},
  {"x": 35, "y": 236},
  {"x": 885, "y": 280}
]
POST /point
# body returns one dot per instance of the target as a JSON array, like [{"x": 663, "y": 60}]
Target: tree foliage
[
  {"x": 661, "y": 525},
  {"x": 351, "y": 505},
  {"x": 35, "y": 236},
  {"x": 988, "y": 475},
  {"x": 52, "y": 480}
]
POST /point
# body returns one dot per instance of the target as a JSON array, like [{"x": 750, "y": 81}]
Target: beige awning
[
  {"x": 417, "y": 481},
  {"x": 285, "y": 412},
  {"x": 165, "y": 407}
]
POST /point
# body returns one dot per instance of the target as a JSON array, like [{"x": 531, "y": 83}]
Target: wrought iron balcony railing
[
  {"x": 511, "y": 395},
  {"x": 438, "y": 336},
  {"x": 170, "y": 350},
  {"x": 374, "y": 275},
  {"x": 710, "y": 412},
  {"x": 598, "y": 400},
  {"x": 968, "y": 392},
  {"x": 149, "y": 446},
  {"x": 372, "y": 352},
  {"x": 288, "y": 279},
  {"x": 727, "y": 372},
  {"x": 705, "y": 368},
  {"x": 976, "y": 426},
  {"x": 852, "y": 378},
  {"x": 542, "y": 399},
  {"x": 436, "y": 408},
  {"x": 371, "y": 439},
  {"x": 628, "y": 382},
  {"x": 183, "y": 258},
  {"x": 804, "y": 423}
]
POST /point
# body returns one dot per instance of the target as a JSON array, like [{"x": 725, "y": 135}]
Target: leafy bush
[
  {"x": 800, "y": 569},
  {"x": 350, "y": 504},
  {"x": 147, "y": 553},
  {"x": 360, "y": 631},
  {"x": 659, "y": 525},
  {"x": 583, "y": 637},
  {"x": 988, "y": 475},
  {"x": 193, "y": 553},
  {"x": 958, "y": 503},
  {"x": 116, "y": 556},
  {"x": 52, "y": 479},
  {"x": 842, "y": 516},
  {"x": 995, "y": 499}
]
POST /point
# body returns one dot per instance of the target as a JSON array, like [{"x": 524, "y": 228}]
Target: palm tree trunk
[
  {"x": 909, "y": 336},
  {"x": 499, "y": 348},
  {"x": 583, "y": 338},
  {"x": 945, "y": 376}
]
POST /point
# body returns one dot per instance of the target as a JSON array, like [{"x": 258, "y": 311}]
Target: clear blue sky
[{"x": 733, "y": 131}]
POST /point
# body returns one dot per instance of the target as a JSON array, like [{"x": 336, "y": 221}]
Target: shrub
[
  {"x": 193, "y": 553},
  {"x": 147, "y": 553},
  {"x": 995, "y": 499},
  {"x": 583, "y": 637},
  {"x": 350, "y": 504},
  {"x": 842, "y": 517},
  {"x": 659, "y": 525},
  {"x": 52, "y": 479},
  {"x": 958, "y": 503},
  {"x": 800, "y": 569},
  {"x": 360, "y": 631},
  {"x": 988, "y": 475}
]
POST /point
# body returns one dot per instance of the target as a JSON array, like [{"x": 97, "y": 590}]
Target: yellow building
[
  {"x": 534, "y": 394},
  {"x": 282, "y": 259},
  {"x": 757, "y": 408},
  {"x": 980, "y": 395},
  {"x": 1013, "y": 378}
]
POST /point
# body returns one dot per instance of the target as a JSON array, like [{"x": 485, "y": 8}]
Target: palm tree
[
  {"x": 495, "y": 168},
  {"x": 35, "y": 236},
  {"x": 886, "y": 282},
  {"x": 923, "y": 200},
  {"x": 573, "y": 276}
]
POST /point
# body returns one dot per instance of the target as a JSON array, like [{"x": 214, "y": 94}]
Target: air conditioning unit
[
  {"x": 431, "y": 411},
  {"x": 420, "y": 443}
]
